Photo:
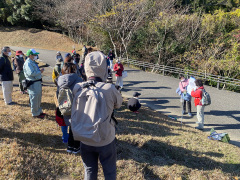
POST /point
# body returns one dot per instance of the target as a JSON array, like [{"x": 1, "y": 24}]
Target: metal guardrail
[{"x": 203, "y": 75}]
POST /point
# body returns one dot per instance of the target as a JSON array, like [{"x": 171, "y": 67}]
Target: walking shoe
[
  {"x": 190, "y": 114},
  {"x": 183, "y": 112},
  {"x": 136, "y": 112},
  {"x": 76, "y": 150},
  {"x": 41, "y": 116},
  {"x": 70, "y": 149},
  {"x": 199, "y": 128},
  {"x": 11, "y": 103}
]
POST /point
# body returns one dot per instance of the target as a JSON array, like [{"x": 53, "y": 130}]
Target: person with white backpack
[
  {"x": 92, "y": 121},
  {"x": 66, "y": 83}
]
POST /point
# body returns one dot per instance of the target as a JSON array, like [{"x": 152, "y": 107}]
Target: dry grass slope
[
  {"x": 36, "y": 38},
  {"x": 150, "y": 146}
]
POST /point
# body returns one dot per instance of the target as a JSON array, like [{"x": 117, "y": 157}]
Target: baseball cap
[
  {"x": 31, "y": 52},
  {"x": 19, "y": 53}
]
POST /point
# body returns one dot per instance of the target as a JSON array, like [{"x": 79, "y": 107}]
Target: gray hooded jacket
[{"x": 96, "y": 66}]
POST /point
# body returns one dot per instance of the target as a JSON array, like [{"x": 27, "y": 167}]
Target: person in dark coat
[
  {"x": 133, "y": 103},
  {"x": 111, "y": 56},
  {"x": 6, "y": 76}
]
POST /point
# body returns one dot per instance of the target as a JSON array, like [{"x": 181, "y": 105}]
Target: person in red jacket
[
  {"x": 197, "y": 94},
  {"x": 118, "y": 68}
]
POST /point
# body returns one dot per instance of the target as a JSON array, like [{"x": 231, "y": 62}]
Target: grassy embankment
[{"x": 150, "y": 146}]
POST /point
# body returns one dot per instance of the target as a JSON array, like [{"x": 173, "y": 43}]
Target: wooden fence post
[{"x": 218, "y": 82}]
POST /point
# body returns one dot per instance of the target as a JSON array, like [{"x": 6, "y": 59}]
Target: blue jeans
[
  {"x": 35, "y": 96},
  {"x": 65, "y": 133},
  {"x": 107, "y": 156}
]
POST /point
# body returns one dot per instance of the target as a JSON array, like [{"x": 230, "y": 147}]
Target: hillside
[{"x": 36, "y": 38}]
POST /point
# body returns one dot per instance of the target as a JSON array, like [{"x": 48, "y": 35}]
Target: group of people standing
[
  {"x": 192, "y": 88},
  {"x": 28, "y": 70}
]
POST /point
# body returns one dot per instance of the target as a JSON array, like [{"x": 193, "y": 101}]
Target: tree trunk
[{"x": 114, "y": 46}]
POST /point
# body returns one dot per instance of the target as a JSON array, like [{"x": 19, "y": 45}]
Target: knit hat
[{"x": 96, "y": 65}]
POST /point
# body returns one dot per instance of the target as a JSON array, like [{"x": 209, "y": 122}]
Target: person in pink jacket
[{"x": 183, "y": 87}]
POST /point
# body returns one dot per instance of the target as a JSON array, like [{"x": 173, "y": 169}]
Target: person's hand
[
  {"x": 42, "y": 70},
  {"x": 192, "y": 89}
]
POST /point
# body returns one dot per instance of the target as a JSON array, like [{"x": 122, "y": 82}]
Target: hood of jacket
[
  {"x": 96, "y": 65},
  {"x": 68, "y": 80}
]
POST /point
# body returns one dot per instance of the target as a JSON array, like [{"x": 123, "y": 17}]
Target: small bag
[
  {"x": 224, "y": 137},
  {"x": 124, "y": 74},
  {"x": 186, "y": 97},
  {"x": 26, "y": 83},
  {"x": 59, "y": 118}
]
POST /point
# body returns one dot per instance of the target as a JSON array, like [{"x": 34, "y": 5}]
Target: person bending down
[{"x": 133, "y": 103}]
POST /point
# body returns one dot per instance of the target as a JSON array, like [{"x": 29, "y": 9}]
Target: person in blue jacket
[{"x": 34, "y": 74}]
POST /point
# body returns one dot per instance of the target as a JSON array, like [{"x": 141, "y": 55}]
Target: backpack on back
[
  {"x": 206, "y": 99},
  {"x": 65, "y": 98},
  {"x": 90, "y": 118}
]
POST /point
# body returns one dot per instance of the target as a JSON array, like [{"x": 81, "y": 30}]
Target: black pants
[
  {"x": 188, "y": 104},
  {"x": 71, "y": 141},
  {"x": 135, "y": 108}
]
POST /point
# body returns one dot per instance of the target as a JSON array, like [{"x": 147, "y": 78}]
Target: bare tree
[{"x": 123, "y": 20}]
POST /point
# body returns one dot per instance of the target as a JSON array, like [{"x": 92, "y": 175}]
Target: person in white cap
[
  {"x": 34, "y": 75},
  {"x": 118, "y": 68},
  {"x": 6, "y": 76},
  {"x": 59, "y": 57}
]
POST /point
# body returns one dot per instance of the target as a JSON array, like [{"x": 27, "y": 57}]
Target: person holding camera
[{"x": 34, "y": 75}]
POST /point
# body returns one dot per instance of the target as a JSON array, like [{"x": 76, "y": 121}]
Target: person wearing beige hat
[{"x": 96, "y": 144}]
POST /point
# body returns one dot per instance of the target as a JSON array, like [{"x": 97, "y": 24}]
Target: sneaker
[
  {"x": 11, "y": 103},
  {"x": 183, "y": 112},
  {"x": 41, "y": 116},
  {"x": 190, "y": 114},
  {"x": 136, "y": 112},
  {"x": 76, "y": 150},
  {"x": 199, "y": 128},
  {"x": 70, "y": 149}
]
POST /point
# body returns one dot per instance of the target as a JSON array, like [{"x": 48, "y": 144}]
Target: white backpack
[
  {"x": 90, "y": 118},
  {"x": 65, "y": 98}
]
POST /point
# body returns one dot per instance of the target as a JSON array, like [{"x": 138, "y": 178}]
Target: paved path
[{"x": 158, "y": 92}]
